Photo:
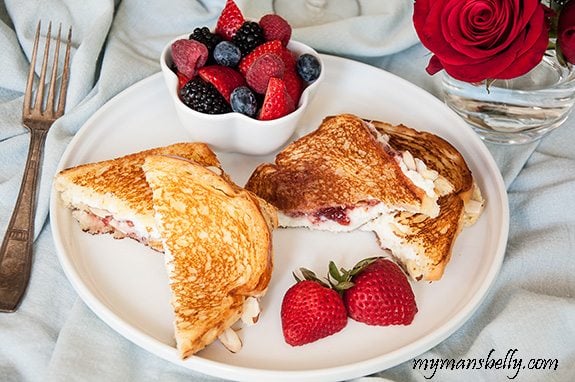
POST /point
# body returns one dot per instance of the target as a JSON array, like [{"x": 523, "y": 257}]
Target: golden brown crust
[
  {"x": 339, "y": 164},
  {"x": 342, "y": 162},
  {"x": 433, "y": 238},
  {"x": 120, "y": 183},
  {"x": 124, "y": 178},
  {"x": 218, "y": 244},
  {"x": 437, "y": 153}
]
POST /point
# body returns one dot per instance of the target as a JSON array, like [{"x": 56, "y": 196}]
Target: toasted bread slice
[
  {"x": 423, "y": 245},
  {"x": 217, "y": 241},
  {"x": 439, "y": 154},
  {"x": 113, "y": 196},
  {"x": 340, "y": 176}
]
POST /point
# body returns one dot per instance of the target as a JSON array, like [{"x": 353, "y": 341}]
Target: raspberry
[
  {"x": 276, "y": 28},
  {"x": 267, "y": 47},
  {"x": 203, "y": 97},
  {"x": 248, "y": 37},
  {"x": 267, "y": 66},
  {"x": 189, "y": 56}
]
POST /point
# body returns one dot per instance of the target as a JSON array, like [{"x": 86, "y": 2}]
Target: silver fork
[{"x": 16, "y": 250}]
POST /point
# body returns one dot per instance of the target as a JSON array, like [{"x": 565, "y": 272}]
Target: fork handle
[{"x": 16, "y": 250}]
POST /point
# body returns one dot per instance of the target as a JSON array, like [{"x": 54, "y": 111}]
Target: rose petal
[
  {"x": 524, "y": 63},
  {"x": 434, "y": 65},
  {"x": 566, "y": 31}
]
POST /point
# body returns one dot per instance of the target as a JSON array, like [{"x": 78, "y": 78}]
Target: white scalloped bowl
[{"x": 235, "y": 132}]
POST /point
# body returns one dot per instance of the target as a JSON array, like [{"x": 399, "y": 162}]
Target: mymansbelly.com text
[{"x": 511, "y": 363}]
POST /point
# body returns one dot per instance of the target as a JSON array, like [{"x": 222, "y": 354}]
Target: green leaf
[
  {"x": 307, "y": 274},
  {"x": 297, "y": 279},
  {"x": 334, "y": 272},
  {"x": 345, "y": 285},
  {"x": 361, "y": 265}
]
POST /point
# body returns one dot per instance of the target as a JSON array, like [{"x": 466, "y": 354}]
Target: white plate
[{"x": 126, "y": 285}]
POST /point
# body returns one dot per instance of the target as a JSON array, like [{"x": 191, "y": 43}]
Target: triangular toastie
[
  {"x": 112, "y": 196},
  {"x": 341, "y": 176},
  {"x": 217, "y": 241}
]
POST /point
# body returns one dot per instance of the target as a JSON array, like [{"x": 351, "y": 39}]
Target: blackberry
[
  {"x": 209, "y": 39},
  {"x": 202, "y": 96},
  {"x": 248, "y": 37}
]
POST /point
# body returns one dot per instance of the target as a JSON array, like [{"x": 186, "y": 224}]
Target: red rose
[
  {"x": 566, "y": 31},
  {"x": 474, "y": 40}
]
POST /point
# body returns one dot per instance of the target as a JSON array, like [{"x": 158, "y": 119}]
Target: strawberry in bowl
[{"x": 244, "y": 86}]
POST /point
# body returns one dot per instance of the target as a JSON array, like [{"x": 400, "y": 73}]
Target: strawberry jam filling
[{"x": 338, "y": 214}]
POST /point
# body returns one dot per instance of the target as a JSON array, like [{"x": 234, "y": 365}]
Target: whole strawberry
[
  {"x": 379, "y": 293},
  {"x": 310, "y": 311}
]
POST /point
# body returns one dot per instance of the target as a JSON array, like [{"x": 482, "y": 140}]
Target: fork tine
[
  {"x": 65, "y": 76},
  {"x": 31, "y": 71},
  {"x": 52, "y": 89},
  {"x": 40, "y": 91}
]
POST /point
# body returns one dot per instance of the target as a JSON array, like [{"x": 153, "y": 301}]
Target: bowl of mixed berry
[{"x": 243, "y": 86}]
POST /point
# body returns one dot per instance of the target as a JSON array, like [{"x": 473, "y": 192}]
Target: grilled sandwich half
[
  {"x": 411, "y": 188},
  {"x": 422, "y": 244},
  {"x": 217, "y": 241},
  {"x": 112, "y": 196},
  {"x": 341, "y": 176}
]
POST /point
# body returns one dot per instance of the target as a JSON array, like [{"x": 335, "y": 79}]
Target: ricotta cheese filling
[
  {"x": 95, "y": 220},
  {"x": 385, "y": 227},
  {"x": 415, "y": 169}
]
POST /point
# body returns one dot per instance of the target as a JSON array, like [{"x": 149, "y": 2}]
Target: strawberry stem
[{"x": 338, "y": 279}]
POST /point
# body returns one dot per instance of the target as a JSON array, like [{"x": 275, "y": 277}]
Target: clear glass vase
[{"x": 520, "y": 110}]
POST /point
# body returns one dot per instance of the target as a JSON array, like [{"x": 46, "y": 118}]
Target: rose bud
[{"x": 566, "y": 31}]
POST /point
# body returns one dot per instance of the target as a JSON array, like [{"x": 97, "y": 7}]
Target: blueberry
[
  {"x": 226, "y": 53},
  {"x": 244, "y": 101},
  {"x": 308, "y": 67}
]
